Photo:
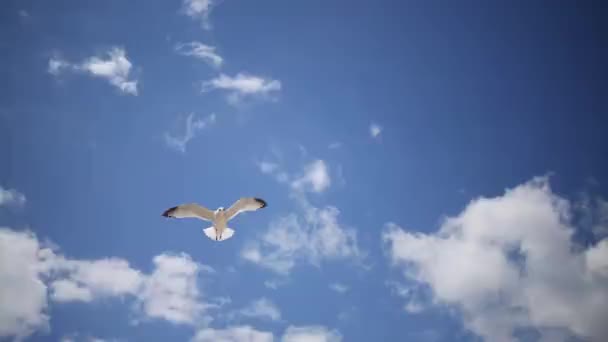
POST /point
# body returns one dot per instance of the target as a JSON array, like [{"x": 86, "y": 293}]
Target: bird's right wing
[
  {"x": 190, "y": 210},
  {"x": 245, "y": 204}
]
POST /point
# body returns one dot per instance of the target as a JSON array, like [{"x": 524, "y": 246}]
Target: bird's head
[{"x": 220, "y": 209}]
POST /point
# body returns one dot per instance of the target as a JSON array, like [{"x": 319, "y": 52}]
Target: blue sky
[{"x": 433, "y": 171}]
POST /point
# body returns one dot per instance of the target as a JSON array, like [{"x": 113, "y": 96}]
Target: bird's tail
[{"x": 212, "y": 234}]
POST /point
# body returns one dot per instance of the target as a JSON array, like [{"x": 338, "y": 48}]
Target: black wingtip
[
  {"x": 262, "y": 202},
  {"x": 167, "y": 213}
]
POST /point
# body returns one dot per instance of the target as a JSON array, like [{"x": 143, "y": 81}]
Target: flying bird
[{"x": 219, "y": 231}]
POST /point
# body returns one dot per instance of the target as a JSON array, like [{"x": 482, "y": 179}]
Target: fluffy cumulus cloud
[
  {"x": 11, "y": 197},
  {"x": 29, "y": 270},
  {"x": 262, "y": 308},
  {"x": 198, "y": 10},
  {"x": 242, "y": 86},
  {"x": 171, "y": 291},
  {"x": 23, "y": 294},
  {"x": 193, "y": 126},
  {"x": 510, "y": 263},
  {"x": 113, "y": 66},
  {"x": 311, "y": 334}
]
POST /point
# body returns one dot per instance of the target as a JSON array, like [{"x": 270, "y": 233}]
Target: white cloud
[
  {"x": 275, "y": 283},
  {"x": 233, "y": 334},
  {"x": 64, "y": 290},
  {"x": 77, "y": 337},
  {"x": 22, "y": 293},
  {"x": 193, "y": 125},
  {"x": 170, "y": 292},
  {"x": 199, "y": 10},
  {"x": 311, "y": 334},
  {"x": 199, "y": 50},
  {"x": 11, "y": 197},
  {"x": 57, "y": 65},
  {"x": 243, "y": 85},
  {"x": 314, "y": 237},
  {"x": 85, "y": 280},
  {"x": 340, "y": 288},
  {"x": 262, "y": 308},
  {"x": 311, "y": 234},
  {"x": 375, "y": 130},
  {"x": 315, "y": 178},
  {"x": 114, "y": 66},
  {"x": 509, "y": 262}
]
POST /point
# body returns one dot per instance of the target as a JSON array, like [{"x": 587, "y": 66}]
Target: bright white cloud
[
  {"x": 22, "y": 293},
  {"x": 114, "y": 66},
  {"x": 509, "y": 262},
  {"x": 340, "y": 288},
  {"x": 11, "y": 197},
  {"x": 315, "y": 178},
  {"x": 375, "y": 130},
  {"x": 64, "y": 290},
  {"x": 86, "y": 280},
  {"x": 193, "y": 125},
  {"x": 311, "y": 334},
  {"x": 198, "y": 10},
  {"x": 243, "y": 85},
  {"x": 262, "y": 308},
  {"x": 201, "y": 51},
  {"x": 169, "y": 292}
]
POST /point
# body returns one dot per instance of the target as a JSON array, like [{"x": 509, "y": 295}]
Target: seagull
[{"x": 220, "y": 217}]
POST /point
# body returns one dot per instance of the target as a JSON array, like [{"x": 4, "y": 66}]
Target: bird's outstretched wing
[
  {"x": 190, "y": 210},
  {"x": 245, "y": 204}
]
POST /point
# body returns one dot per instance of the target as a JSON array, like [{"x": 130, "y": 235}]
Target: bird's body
[{"x": 219, "y": 231}]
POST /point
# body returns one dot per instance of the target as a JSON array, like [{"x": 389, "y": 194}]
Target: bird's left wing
[
  {"x": 190, "y": 210},
  {"x": 245, "y": 204}
]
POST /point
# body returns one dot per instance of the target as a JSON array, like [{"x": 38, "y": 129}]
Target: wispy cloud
[
  {"x": 311, "y": 333},
  {"x": 334, "y": 145},
  {"x": 113, "y": 66},
  {"x": 262, "y": 308},
  {"x": 201, "y": 51},
  {"x": 242, "y": 333},
  {"x": 509, "y": 262},
  {"x": 193, "y": 125},
  {"x": 375, "y": 130},
  {"x": 246, "y": 333},
  {"x": 340, "y": 288},
  {"x": 198, "y": 10},
  {"x": 11, "y": 197},
  {"x": 311, "y": 234},
  {"x": 315, "y": 177},
  {"x": 243, "y": 86}
]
